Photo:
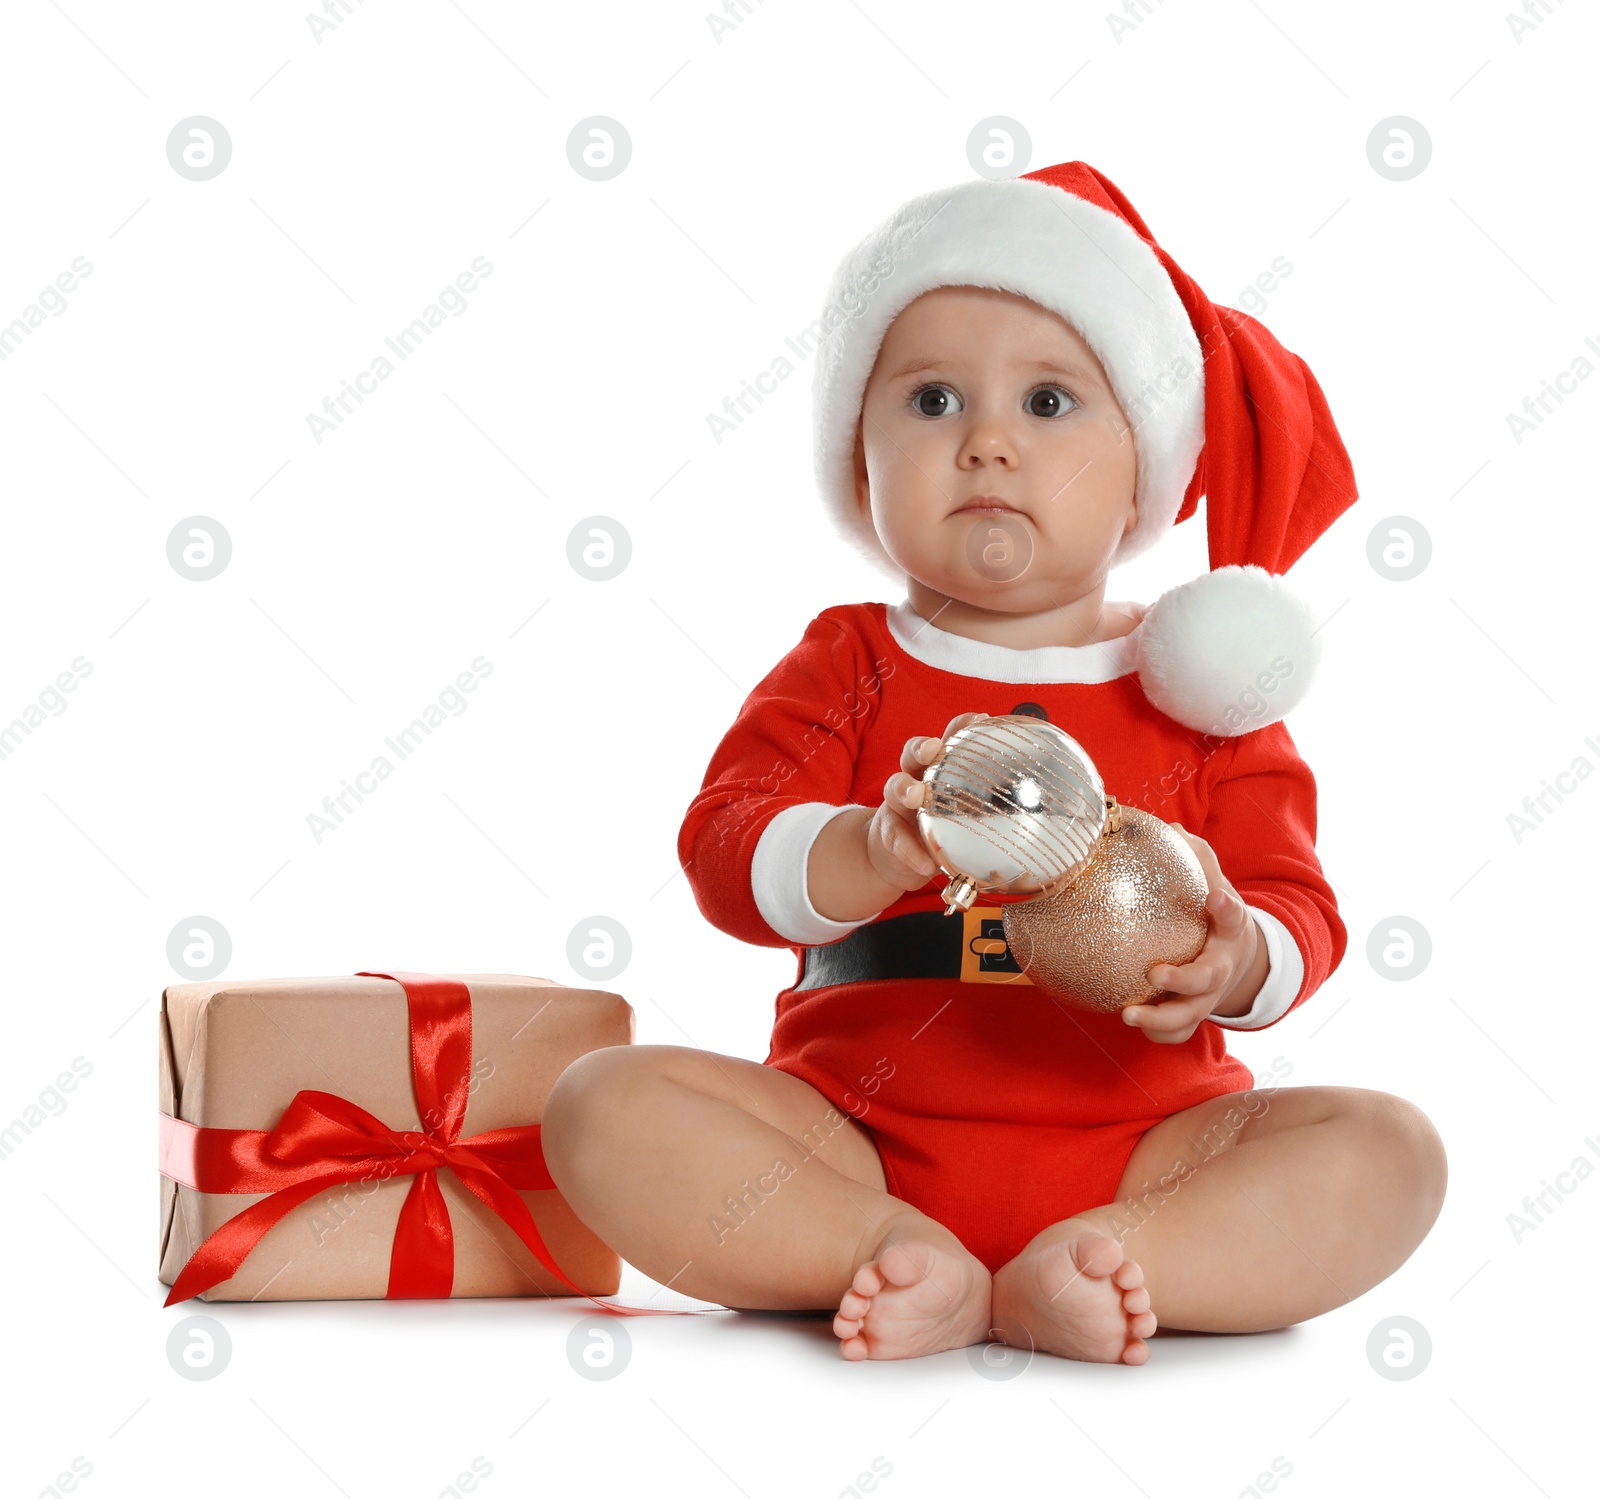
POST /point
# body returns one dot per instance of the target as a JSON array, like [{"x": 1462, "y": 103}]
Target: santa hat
[{"x": 1218, "y": 407}]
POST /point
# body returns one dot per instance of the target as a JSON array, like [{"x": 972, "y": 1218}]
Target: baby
[{"x": 1009, "y": 401}]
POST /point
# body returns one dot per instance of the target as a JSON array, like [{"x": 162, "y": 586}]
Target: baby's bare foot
[
  {"x": 917, "y": 1295},
  {"x": 1079, "y": 1296}
]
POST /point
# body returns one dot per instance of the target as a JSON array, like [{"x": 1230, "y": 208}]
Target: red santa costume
[{"x": 995, "y": 1110}]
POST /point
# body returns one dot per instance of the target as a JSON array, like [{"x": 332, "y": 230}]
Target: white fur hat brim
[{"x": 1071, "y": 256}]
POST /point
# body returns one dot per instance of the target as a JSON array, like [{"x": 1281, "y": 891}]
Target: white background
[{"x": 367, "y": 171}]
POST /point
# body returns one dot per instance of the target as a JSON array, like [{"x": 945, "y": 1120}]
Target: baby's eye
[
  {"x": 1046, "y": 401},
  {"x": 934, "y": 400}
]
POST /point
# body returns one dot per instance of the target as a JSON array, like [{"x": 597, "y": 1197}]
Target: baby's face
[{"x": 984, "y": 393}]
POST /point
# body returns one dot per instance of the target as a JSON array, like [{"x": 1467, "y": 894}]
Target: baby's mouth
[{"x": 987, "y": 504}]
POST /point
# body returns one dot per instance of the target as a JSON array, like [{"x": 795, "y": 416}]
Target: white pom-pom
[{"x": 1228, "y": 652}]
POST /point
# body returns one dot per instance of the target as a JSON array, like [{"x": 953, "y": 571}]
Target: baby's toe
[
  {"x": 1136, "y": 1300},
  {"x": 1096, "y": 1254},
  {"x": 1128, "y": 1275},
  {"x": 853, "y": 1349},
  {"x": 869, "y": 1280},
  {"x": 1136, "y": 1353},
  {"x": 853, "y": 1306},
  {"x": 1142, "y": 1325},
  {"x": 904, "y": 1265}
]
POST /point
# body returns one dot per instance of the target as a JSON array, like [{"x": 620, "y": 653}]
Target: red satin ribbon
[{"x": 323, "y": 1141}]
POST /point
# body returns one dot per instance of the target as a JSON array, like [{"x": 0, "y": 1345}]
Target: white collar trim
[{"x": 1103, "y": 661}]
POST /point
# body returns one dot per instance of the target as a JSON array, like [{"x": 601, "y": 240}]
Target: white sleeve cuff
[
  {"x": 1286, "y": 970},
  {"x": 778, "y": 875}
]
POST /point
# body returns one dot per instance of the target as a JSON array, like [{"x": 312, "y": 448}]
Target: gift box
[{"x": 370, "y": 1136}]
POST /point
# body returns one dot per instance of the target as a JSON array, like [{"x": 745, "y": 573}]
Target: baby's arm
[
  {"x": 863, "y": 861},
  {"x": 778, "y": 786},
  {"x": 842, "y": 881},
  {"x": 1258, "y": 841}
]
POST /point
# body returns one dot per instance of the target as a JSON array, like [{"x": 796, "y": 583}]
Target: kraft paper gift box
[{"x": 235, "y": 1054}]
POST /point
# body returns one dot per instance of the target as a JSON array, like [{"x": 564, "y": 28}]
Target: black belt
[{"x": 969, "y": 945}]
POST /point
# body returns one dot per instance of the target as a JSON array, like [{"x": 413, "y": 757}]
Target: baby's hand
[
  {"x": 1204, "y": 985},
  {"x": 893, "y": 843}
]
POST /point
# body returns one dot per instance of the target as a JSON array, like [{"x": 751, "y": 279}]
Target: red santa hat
[{"x": 1218, "y": 407}]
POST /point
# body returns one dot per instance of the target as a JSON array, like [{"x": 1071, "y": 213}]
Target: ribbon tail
[
  {"x": 223, "y": 1252},
  {"x": 422, "y": 1262},
  {"x": 496, "y": 1195}
]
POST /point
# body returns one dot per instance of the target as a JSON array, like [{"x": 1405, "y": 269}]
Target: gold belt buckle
[{"x": 985, "y": 958}]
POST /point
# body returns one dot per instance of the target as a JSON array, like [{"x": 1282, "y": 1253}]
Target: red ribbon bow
[{"x": 323, "y": 1141}]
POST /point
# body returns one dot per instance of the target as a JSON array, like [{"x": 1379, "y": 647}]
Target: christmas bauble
[
  {"x": 1013, "y": 806},
  {"x": 1140, "y": 901}
]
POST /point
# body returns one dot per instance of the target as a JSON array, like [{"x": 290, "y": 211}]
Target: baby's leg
[
  {"x": 1250, "y": 1211},
  {"x": 735, "y": 1182}
]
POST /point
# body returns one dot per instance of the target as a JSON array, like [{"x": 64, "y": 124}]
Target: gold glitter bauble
[{"x": 1091, "y": 940}]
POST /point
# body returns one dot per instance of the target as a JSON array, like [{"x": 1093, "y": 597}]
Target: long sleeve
[
  {"x": 780, "y": 772},
  {"x": 1261, "y": 820}
]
